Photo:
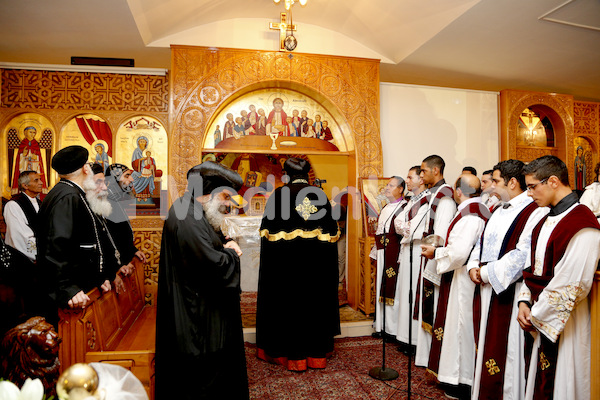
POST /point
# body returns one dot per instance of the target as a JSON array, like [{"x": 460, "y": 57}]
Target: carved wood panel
[
  {"x": 512, "y": 104},
  {"x": 147, "y": 237},
  {"x": 84, "y": 91},
  {"x": 204, "y": 80}
]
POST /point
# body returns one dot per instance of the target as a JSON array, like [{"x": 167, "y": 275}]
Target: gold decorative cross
[
  {"x": 492, "y": 367},
  {"x": 306, "y": 209},
  {"x": 283, "y": 27}
]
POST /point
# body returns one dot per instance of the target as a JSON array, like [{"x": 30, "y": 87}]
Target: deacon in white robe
[
  {"x": 553, "y": 303},
  {"x": 452, "y": 354},
  {"x": 497, "y": 264},
  {"x": 411, "y": 224},
  {"x": 388, "y": 242},
  {"x": 497, "y": 274},
  {"x": 440, "y": 212}
]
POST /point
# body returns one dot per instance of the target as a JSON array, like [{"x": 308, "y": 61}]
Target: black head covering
[
  {"x": 97, "y": 169},
  {"x": 69, "y": 159},
  {"x": 210, "y": 175},
  {"x": 296, "y": 168},
  {"x": 116, "y": 190}
]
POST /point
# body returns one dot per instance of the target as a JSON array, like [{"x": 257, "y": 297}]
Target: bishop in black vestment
[
  {"x": 199, "y": 339},
  {"x": 297, "y": 309}
]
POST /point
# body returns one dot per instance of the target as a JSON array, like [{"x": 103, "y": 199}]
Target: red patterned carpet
[{"x": 345, "y": 377}]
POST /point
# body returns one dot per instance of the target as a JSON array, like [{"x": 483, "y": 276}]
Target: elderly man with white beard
[
  {"x": 70, "y": 251},
  {"x": 103, "y": 208},
  {"x": 199, "y": 335}
]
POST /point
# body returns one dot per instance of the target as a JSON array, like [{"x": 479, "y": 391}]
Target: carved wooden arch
[
  {"x": 560, "y": 112},
  {"x": 204, "y": 80}
]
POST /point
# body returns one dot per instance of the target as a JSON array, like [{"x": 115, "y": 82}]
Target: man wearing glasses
[{"x": 552, "y": 304}]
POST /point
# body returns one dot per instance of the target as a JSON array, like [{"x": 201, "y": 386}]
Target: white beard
[
  {"x": 213, "y": 213},
  {"x": 98, "y": 201}
]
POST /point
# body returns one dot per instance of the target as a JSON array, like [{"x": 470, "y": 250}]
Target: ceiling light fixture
[{"x": 290, "y": 3}]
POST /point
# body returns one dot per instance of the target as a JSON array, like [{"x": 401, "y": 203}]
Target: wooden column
[{"x": 595, "y": 312}]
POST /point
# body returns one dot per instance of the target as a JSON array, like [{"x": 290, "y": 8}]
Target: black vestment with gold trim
[{"x": 297, "y": 309}]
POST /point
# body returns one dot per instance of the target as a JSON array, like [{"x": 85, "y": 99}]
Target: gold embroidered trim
[
  {"x": 439, "y": 334},
  {"x": 386, "y": 300},
  {"x": 315, "y": 233},
  {"x": 427, "y": 327},
  {"x": 431, "y": 372}
]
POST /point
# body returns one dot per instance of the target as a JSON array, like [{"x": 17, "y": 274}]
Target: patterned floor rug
[
  {"x": 345, "y": 377},
  {"x": 248, "y": 308}
]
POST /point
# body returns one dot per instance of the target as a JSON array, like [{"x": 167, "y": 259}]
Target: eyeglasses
[{"x": 532, "y": 187}]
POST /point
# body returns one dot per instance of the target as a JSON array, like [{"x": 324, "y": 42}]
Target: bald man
[{"x": 452, "y": 355}]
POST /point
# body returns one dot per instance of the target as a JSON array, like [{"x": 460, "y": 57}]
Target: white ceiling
[{"x": 539, "y": 45}]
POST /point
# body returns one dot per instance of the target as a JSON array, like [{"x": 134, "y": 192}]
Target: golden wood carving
[
  {"x": 148, "y": 240},
  {"x": 560, "y": 110},
  {"x": 587, "y": 125},
  {"x": 84, "y": 91},
  {"x": 204, "y": 81}
]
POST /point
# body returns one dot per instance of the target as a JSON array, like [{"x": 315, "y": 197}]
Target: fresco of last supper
[{"x": 278, "y": 112}]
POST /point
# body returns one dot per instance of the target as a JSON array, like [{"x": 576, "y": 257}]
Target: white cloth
[
  {"x": 502, "y": 273},
  {"x": 591, "y": 198},
  {"x": 443, "y": 216},
  {"x": 117, "y": 383},
  {"x": 18, "y": 233},
  {"x": 411, "y": 230},
  {"x": 563, "y": 310},
  {"x": 391, "y": 312},
  {"x": 457, "y": 355}
]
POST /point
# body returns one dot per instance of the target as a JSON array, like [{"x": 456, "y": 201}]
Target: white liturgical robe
[
  {"x": 563, "y": 311},
  {"x": 412, "y": 231},
  {"x": 498, "y": 275},
  {"x": 391, "y": 311},
  {"x": 443, "y": 216},
  {"x": 457, "y": 355}
]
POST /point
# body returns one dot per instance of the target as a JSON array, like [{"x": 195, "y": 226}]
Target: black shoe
[{"x": 376, "y": 335}]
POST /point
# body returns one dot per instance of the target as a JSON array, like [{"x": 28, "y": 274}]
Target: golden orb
[{"x": 77, "y": 382}]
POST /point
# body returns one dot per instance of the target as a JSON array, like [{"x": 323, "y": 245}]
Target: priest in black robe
[
  {"x": 199, "y": 338},
  {"x": 119, "y": 181},
  {"x": 71, "y": 257},
  {"x": 297, "y": 307}
]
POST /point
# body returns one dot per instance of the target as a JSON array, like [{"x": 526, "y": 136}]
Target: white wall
[{"x": 459, "y": 125}]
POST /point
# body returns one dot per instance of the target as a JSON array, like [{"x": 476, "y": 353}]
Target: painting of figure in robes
[
  {"x": 29, "y": 158},
  {"x": 145, "y": 170}
]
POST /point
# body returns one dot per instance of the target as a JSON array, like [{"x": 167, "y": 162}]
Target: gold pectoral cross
[{"x": 283, "y": 27}]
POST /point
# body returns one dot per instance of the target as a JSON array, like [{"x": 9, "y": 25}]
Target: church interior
[{"x": 170, "y": 84}]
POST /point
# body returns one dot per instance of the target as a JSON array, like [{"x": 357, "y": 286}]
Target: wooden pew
[{"x": 115, "y": 328}]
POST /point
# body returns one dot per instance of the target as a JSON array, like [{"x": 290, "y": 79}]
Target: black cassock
[
  {"x": 297, "y": 310},
  {"x": 199, "y": 339},
  {"x": 71, "y": 245}
]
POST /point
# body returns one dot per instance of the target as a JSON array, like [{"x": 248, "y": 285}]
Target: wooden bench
[{"x": 115, "y": 328}]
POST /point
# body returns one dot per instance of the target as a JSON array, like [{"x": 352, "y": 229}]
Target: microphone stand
[{"x": 410, "y": 308}]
